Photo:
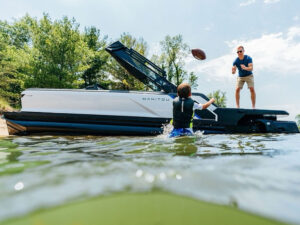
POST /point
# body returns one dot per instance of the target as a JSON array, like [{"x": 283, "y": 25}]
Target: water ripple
[{"x": 257, "y": 173}]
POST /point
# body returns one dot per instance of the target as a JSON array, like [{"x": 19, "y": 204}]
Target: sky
[{"x": 268, "y": 29}]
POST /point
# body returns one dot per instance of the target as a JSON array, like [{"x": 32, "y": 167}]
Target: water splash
[
  {"x": 199, "y": 133},
  {"x": 167, "y": 129}
]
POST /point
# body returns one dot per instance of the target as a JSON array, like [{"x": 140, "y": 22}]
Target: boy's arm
[
  {"x": 207, "y": 104},
  {"x": 199, "y": 106}
]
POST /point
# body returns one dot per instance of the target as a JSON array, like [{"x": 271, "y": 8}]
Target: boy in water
[{"x": 183, "y": 111}]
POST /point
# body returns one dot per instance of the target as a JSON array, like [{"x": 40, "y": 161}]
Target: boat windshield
[{"x": 141, "y": 68}]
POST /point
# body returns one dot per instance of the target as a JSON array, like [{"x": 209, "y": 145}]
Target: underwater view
[{"x": 256, "y": 174}]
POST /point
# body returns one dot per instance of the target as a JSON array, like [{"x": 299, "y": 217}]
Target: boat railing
[{"x": 215, "y": 114}]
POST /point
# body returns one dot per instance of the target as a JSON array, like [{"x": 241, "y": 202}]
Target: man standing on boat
[{"x": 245, "y": 66}]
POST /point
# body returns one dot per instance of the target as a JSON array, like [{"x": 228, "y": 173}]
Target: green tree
[
  {"x": 4, "y": 106},
  {"x": 298, "y": 120},
  {"x": 172, "y": 58},
  {"x": 14, "y": 60},
  {"x": 16, "y": 34},
  {"x": 220, "y": 98},
  {"x": 123, "y": 80},
  {"x": 96, "y": 72},
  {"x": 60, "y": 53},
  {"x": 12, "y": 76},
  {"x": 193, "y": 80}
]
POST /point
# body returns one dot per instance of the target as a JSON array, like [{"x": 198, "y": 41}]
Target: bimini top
[{"x": 141, "y": 68}]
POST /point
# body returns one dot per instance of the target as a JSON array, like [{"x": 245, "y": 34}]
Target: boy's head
[{"x": 184, "y": 90}]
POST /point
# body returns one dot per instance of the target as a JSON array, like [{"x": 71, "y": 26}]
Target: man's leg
[
  {"x": 237, "y": 96},
  {"x": 239, "y": 85},
  {"x": 253, "y": 96}
]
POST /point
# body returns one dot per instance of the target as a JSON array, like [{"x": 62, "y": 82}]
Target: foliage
[
  {"x": 220, "y": 98},
  {"x": 60, "y": 54},
  {"x": 172, "y": 58},
  {"x": 47, "y": 53},
  {"x": 14, "y": 60},
  {"x": 13, "y": 63},
  {"x": 298, "y": 120},
  {"x": 17, "y": 34},
  {"x": 96, "y": 72},
  {"x": 123, "y": 79},
  {"x": 193, "y": 80},
  {"x": 4, "y": 106}
]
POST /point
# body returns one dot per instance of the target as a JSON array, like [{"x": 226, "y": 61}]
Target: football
[{"x": 198, "y": 54}]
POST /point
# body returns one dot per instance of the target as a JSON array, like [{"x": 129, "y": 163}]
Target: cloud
[
  {"x": 276, "y": 53},
  {"x": 209, "y": 27},
  {"x": 249, "y": 2},
  {"x": 271, "y": 1},
  {"x": 296, "y": 18},
  {"x": 215, "y": 69},
  {"x": 71, "y": 2}
]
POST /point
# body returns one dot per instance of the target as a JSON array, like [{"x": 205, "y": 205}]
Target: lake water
[{"x": 256, "y": 173}]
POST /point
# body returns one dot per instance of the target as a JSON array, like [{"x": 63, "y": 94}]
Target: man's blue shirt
[{"x": 246, "y": 60}]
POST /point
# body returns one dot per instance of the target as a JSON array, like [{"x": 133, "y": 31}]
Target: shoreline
[{"x": 3, "y": 127}]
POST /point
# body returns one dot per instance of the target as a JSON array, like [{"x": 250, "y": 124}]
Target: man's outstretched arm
[{"x": 233, "y": 69}]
